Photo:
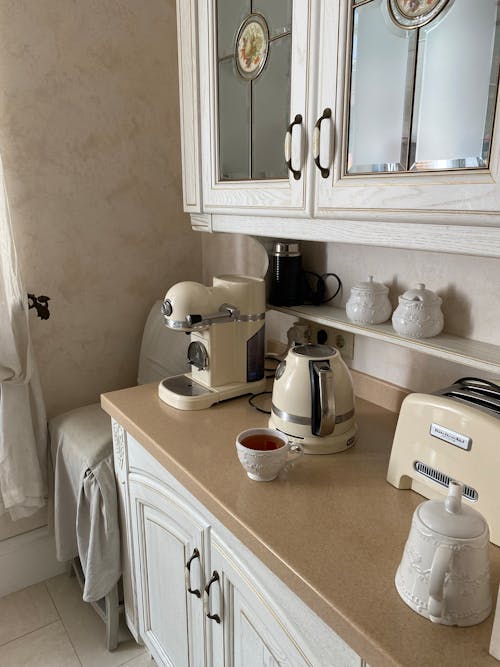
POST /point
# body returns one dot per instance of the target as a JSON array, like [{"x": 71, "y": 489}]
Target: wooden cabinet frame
[{"x": 454, "y": 212}]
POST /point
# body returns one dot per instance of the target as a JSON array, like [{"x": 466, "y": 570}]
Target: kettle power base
[
  {"x": 184, "y": 393},
  {"x": 331, "y": 444}
]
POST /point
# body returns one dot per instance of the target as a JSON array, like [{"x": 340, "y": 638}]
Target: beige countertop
[{"x": 334, "y": 531}]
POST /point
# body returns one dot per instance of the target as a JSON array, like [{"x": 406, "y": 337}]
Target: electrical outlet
[{"x": 342, "y": 340}]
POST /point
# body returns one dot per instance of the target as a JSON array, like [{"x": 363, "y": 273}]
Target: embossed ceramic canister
[
  {"x": 418, "y": 314},
  {"x": 369, "y": 303},
  {"x": 444, "y": 573}
]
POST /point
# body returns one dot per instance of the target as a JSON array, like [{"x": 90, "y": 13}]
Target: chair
[{"x": 86, "y": 524}]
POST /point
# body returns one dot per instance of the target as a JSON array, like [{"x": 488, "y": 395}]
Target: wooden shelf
[{"x": 483, "y": 356}]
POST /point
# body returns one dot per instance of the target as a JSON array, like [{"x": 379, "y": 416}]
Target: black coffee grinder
[{"x": 287, "y": 277}]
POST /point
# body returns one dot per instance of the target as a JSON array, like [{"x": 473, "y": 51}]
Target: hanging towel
[
  {"x": 23, "y": 428},
  {"x": 97, "y": 530},
  {"x": 85, "y": 498}
]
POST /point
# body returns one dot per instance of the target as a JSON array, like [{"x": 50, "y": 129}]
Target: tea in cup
[{"x": 264, "y": 453}]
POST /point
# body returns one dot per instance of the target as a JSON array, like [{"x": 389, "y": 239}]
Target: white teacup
[{"x": 264, "y": 453}]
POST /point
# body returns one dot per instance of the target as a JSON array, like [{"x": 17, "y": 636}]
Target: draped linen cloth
[
  {"x": 85, "y": 497},
  {"x": 23, "y": 425}
]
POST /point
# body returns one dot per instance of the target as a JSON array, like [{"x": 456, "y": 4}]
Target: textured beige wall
[{"x": 89, "y": 136}]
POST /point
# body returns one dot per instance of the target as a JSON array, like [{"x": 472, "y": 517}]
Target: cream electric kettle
[{"x": 313, "y": 399}]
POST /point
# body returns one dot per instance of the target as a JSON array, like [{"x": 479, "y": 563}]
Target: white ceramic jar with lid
[
  {"x": 369, "y": 303},
  {"x": 418, "y": 314},
  {"x": 444, "y": 573}
]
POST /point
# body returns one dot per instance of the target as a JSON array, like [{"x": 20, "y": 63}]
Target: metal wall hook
[{"x": 41, "y": 304}]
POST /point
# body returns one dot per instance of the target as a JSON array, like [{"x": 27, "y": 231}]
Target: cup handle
[
  {"x": 295, "y": 451},
  {"x": 440, "y": 566}
]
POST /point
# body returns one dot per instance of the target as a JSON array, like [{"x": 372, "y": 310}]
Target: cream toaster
[{"x": 453, "y": 434}]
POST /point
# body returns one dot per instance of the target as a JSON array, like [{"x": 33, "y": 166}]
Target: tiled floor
[{"x": 49, "y": 625}]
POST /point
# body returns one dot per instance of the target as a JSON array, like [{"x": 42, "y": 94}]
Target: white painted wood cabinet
[
  {"x": 324, "y": 197},
  {"x": 244, "y": 616},
  {"x": 168, "y": 548},
  {"x": 244, "y": 120},
  {"x": 252, "y": 632},
  {"x": 120, "y": 460}
]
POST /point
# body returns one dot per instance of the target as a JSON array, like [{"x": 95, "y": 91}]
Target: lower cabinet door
[
  {"x": 252, "y": 631},
  {"x": 169, "y": 546}
]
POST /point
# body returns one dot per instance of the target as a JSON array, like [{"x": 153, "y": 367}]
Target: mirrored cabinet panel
[
  {"x": 383, "y": 58},
  {"x": 422, "y": 84},
  {"x": 254, "y": 47}
]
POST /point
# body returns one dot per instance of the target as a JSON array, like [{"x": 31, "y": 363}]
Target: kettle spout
[{"x": 453, "y": 501}]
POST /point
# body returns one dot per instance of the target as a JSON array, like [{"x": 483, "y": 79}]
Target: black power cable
[{"x": 316, "y": 295}]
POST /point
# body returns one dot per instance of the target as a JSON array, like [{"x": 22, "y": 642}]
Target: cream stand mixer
[{"x": 226, "y": 326}]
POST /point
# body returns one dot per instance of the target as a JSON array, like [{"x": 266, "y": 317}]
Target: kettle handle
[
  {"x": 440, "y": 566},
  {"x": 325, "y": 399}
]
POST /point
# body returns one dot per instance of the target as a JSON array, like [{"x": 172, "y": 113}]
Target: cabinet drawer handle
[
  {"x": 206, "y": 598},
  {"x": 288, "y": 146},
  {"x": 327, "y": 113},
  {"x": 187, "y": 574}
]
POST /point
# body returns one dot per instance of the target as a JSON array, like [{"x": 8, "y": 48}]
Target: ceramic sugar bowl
[
  {"x": 418, "y": 314},
  {"x": 369, "y": 303},
  {"x": 444, "y": 572}
]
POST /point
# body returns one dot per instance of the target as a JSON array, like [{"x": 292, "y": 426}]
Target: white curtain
[{"x": 23, "y": 427}]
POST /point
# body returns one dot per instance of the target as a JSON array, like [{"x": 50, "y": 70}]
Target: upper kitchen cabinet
[
  {"x": 412, "y": 91},
  {"x": 353, "y": 121},
  {"x": 253, "y": 59}
]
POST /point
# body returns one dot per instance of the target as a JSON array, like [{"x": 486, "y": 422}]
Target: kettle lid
[
  {"x": 450, "y": 517},
  {"x": 314, "y": 350}
]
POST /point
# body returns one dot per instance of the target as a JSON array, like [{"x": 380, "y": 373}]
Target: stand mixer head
[{"x": 226, "y": 325}]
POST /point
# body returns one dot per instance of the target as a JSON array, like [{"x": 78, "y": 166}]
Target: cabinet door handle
[
  {"x": 325, "y": 171},
  {"x": 206, "y": 598},
  {"x": 288, "y": 146},
  {"x": 187, "y": 574}
]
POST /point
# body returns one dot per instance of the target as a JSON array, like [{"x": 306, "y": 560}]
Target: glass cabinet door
[
  {"x": 414, "y": 89},
  {"x": 254, "y": 47},
  {"x": 255, "y": 61},
  {"x": 423, "y": 85}
]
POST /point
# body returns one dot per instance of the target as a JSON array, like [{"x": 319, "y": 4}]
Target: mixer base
[{"x": 184, "y": 393}]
